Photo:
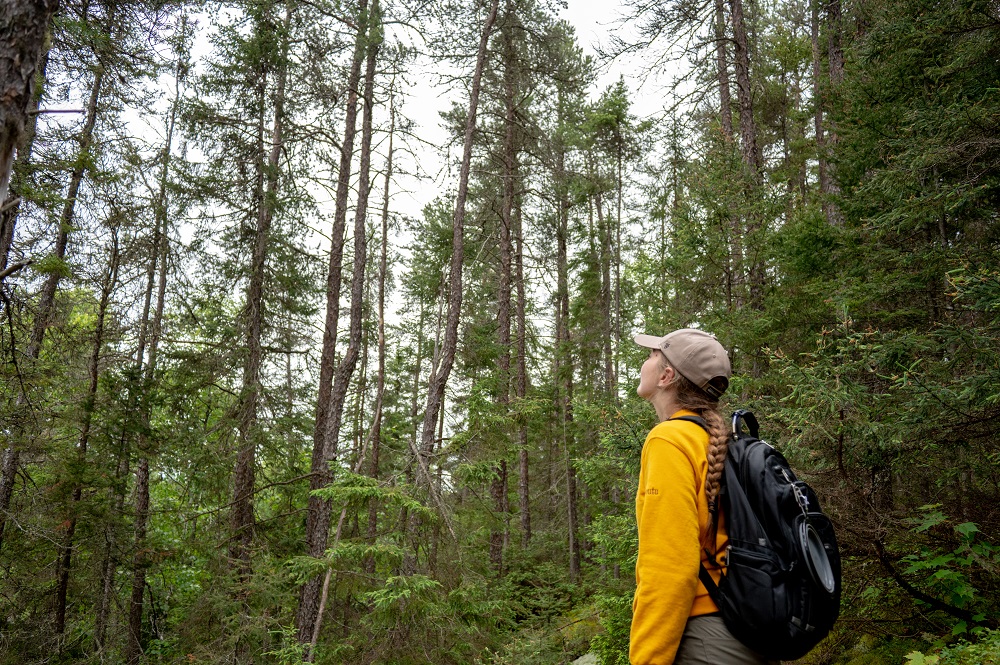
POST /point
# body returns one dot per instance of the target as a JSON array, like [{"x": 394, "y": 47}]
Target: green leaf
[
  {"x": 52, "y": 265},
  {"x": 967, "y": 529}
]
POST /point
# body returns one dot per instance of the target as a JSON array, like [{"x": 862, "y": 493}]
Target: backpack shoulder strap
[
  {"x": 744, "y": 417},
  {"x": 709, "y": 584},
  {"x": 703, "y": 574},
  {"x": 693, "y": 419}
]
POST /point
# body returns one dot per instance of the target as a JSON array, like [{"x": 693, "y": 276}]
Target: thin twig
[{"x": 51, "y": 111}]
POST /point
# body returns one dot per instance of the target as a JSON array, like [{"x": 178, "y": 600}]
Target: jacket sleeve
[{"x": 667, "y": 566}]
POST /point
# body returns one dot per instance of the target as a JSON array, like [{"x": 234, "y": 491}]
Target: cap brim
[{"x": 648, "y": 341}]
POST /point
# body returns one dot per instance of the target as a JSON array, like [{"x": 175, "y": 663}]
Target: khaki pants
[{"x": 707, "y": 641}]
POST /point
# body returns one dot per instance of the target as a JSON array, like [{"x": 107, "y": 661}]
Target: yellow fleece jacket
[{"x": 671, "y": 511}]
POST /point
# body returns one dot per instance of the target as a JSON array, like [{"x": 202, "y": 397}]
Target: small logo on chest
[{"x": 652, "y": 491}]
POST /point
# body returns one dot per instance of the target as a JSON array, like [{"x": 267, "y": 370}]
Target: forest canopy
[{"x": 254, "y": 409}]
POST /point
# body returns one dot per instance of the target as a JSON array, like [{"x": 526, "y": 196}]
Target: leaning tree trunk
[
  {"x": 318, "y": 513},
  {"x": 23, "y": 25},
  {"x": 310, "y": 614},
  {"x": 46, "y": 303},
  {"x": 149, "y": 333},
  {"x": 438, "y": 379}
]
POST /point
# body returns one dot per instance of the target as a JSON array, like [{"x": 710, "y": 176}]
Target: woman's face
[{"x": 650, "y": 374}]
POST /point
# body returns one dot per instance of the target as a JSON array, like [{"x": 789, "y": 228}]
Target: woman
[{"x": 673, "y": 618}]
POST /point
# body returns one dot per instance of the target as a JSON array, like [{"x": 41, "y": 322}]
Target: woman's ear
[{"x": 666, "y": 377}]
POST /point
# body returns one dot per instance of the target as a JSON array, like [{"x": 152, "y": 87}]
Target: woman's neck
[{"x": 666, "y": 405}]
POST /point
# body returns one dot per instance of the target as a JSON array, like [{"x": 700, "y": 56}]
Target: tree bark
[
  {"x": 498, "y": 488},
  {"x": 563, "y": 366},
  {"x": 818, "y": 100},
  {"x": 243, "y": 474},
  {"x": 328, "y": 360},
  {"x": 835, "y": 63},
  {"x": 836, "y": 52},
  {"x": 23, "y": 25},
  {"x": 319, "y": 528},
  {"x": 605, "y": 254},
  {"x": 521, "y": 386},
  {"x": 438, "y": 379},
  {"x": 46, "y": 303},
  {"x": 133, "y": 646},
  {"x": 722, "y": 72},
  {"x": 64, "y": 559},
  {"x": 318, "y": 513},
  {"x": 734, "y": 267},
  {"x": 376, "y": 431},
  {"x": 149, "y": 332},
  {"x": 744, "y": 93},
  {"x": 12, "y": 204},
  {"x": 620, "y": 186}
]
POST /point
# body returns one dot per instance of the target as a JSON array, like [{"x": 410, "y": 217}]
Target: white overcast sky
[{"x": 594, "y": 21}]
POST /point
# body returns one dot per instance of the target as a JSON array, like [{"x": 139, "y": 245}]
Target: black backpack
[{"x": 781, "y": 592}]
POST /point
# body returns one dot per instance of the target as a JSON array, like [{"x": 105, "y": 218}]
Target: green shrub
[
  {"x": 611, "y": 646},
  {"x": 985, "y": 651}
]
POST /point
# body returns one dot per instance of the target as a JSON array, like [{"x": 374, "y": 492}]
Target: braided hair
[{"x": 691, "y": 397}]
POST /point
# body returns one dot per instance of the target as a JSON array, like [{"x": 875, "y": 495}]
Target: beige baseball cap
[{"x": 697, "y": 355}]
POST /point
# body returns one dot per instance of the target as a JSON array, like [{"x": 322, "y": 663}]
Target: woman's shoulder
[{"x": 688, "y": 437}]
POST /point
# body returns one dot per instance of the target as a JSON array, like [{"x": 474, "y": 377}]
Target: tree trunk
[
  {"x": 12, "y": 204},
  {"x": 498, "y": 488},
  {"x": 521, "y": 386},
  {"x": 133, "y": 647},
  {"x": 243, "y": 475},
  {"x": 836, "y": 52},
  {"x": 23, "y": 26},
  {"x": 753, "y": 166},
  {"x": 328, "y": 358},
  {"x": 46, "y": 301},
  {"x": 722, "y": 72},
  {"x": 818, "y": 101},
  {"x": 156, "y": 274},
  {"x": 149, "y": 332},
  {"x": 376, "y": 433},
  {"x": 435, "y": 391},
  {"x": 618, "y": 267},
  {"x": 744, "y": 93},
  {"x": 734, "y": 267},
  {"x": 605, "y": 255},
  {"x": 835, "y": 61},
  {"x": 318, "y": 514},
  {"x": 318, "y": 530},
  {"x": 64, "y": 559},
  {"x": 498, "y": 492},
  {"x": 563, "y": 362}
]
